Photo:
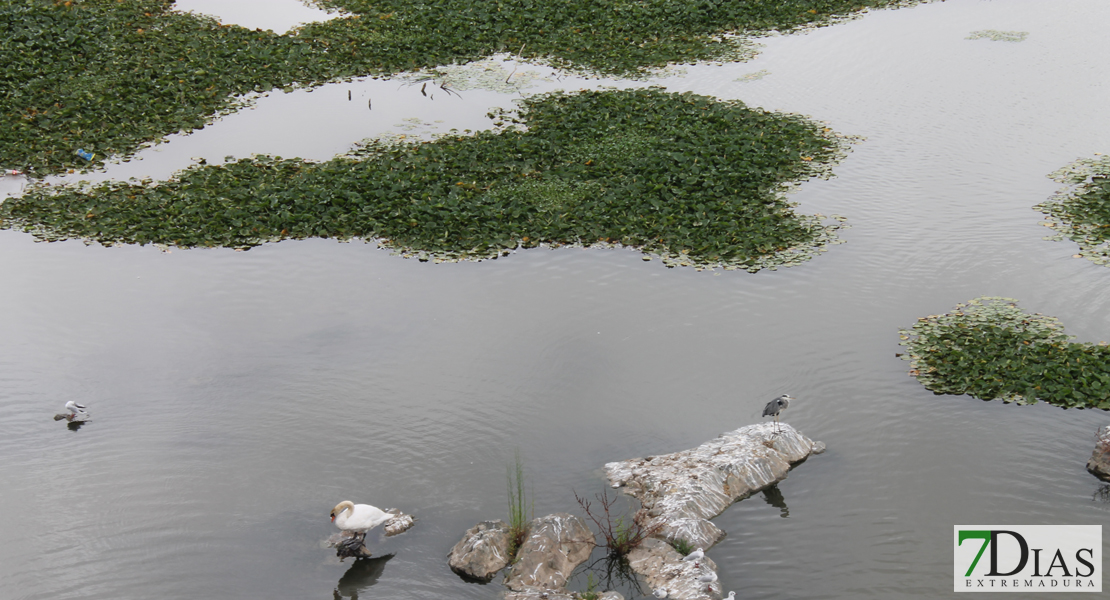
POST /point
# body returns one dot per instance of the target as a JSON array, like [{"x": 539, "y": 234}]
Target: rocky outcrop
[
  {"x": 482, "y": 552},
  {"x": 663, "y": 569},
  {"x": 563, "y": 595},
  {"x": 680, "y": 492},
  {"x": 348, "y": 545},
  {"x": 1099, "y": 464},
  {"x": 555, "y": 545}
]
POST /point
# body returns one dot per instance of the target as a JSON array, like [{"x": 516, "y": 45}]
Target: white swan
[{"x": 358, "y": 518}]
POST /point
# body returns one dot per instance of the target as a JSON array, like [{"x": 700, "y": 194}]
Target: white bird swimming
[
  {"x": 731, "y": 596},
  {"x": 358, "y": 518},
  {"x": 659, "y": 593},
  {"x": 708, "y": 580},
  {"x": 694, "y": 556}
]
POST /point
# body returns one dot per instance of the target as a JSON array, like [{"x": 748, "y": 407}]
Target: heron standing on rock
[{"x": 775, "y": 407}]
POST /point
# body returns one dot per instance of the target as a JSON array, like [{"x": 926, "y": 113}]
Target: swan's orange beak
[{"x": 333, "y": 518}]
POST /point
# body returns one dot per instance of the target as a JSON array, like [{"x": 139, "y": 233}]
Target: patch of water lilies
[
  {"x": 998, "y": 36},
  {"x": 695, "y": 180},
  {"x": 105, "y": 77},
  {"x": 1081, "y": 211},
  {"x": 990, "y": 349}
]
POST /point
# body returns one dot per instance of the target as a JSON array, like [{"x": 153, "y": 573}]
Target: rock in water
[
  {"x": 663, "y": 568},
  {"x": 400, "y": 523},
  {"x": 482, "y": 552},
  {"x": 555, "y": 545},
  {"x": 351, "y": 547},
  {"x": 558, "y": 595},
  {"x": 1099, "y": 465},
  {"x": 680, "y": 492}
]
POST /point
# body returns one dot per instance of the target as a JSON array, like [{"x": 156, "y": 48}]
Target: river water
[{"x": 237, "y": 396}]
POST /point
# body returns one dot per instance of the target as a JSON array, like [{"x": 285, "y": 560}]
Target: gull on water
[
  {"x": 77, "y": 413},
  {"x": 659, "y": 592},
  {"x": 74, "y": 407}
]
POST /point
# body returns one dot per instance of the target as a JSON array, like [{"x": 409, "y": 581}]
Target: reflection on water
[
  {"x": 363, "y": 574},
  {"x": 773, "y": 496},
  {"x": 11, "y": 185},
  {"x": 605, "y": 571},
  {"x": 1102, "y": 494}
]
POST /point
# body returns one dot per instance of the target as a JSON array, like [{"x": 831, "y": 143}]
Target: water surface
[{"x": 238, "y": 396}]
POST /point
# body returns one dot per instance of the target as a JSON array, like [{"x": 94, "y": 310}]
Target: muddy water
[{"x": 237, "y": 396}]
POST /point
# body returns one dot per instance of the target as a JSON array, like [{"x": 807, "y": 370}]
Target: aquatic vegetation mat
[
  {"x": 87, "y": 79},
  {"x": 696, "y": 180},
  {"x": 989, "y": 348},
  {"x": 998, "y": 36},
  {"x": 488, "y": 74},
  {"x": 1081, "y": 211}
]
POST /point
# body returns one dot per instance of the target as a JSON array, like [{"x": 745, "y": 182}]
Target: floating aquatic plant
[
  {"x": 998, "y": 36},
  {"x": 108, "y": 76},
  {"x": 1081, "y": 211},
  {"x": 755, "y": 76},
  {"x": 488, "y": 74},
  {"x": 989, "y": 348},
  {"x": 695, "y": 180}
]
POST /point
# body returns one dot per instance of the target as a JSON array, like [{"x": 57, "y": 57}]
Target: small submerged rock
[
  {"x": 348, "y": 545},
  {"x": 1099, "y": 464},
  {"x": 398, "y": 524}
]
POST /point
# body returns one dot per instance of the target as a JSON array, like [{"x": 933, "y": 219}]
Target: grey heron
[{"x": 775, "y": 407}]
